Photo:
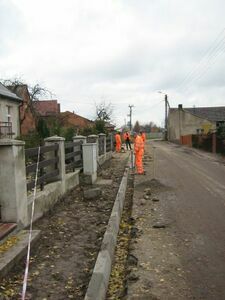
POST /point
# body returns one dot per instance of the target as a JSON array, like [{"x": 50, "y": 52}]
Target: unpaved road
[
  {"x": 198, "y": 209},
  {"x": 186, "y": 259}
]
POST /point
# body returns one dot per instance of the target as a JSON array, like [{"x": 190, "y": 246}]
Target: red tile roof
[{"x": 71, "y": 119}]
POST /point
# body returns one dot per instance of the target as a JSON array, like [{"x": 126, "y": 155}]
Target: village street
[
  {"x": 181, "y": 241},
  {"x": 176, "y": 226}
]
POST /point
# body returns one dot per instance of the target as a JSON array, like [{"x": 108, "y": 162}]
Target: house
[
  {"x": 109, "y": 127},
  {"x": 27, "y": 113},
  {"x": 70, "y": 119},
  {"x": 9, "y": 113},
  {"x": 187, "y": 121},
  {"x": 49, "y": 110},
  {"x": 46, "y": 108}
]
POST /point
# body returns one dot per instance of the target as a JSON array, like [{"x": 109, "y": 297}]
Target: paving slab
[
  {"x": 14, "y": 249},
  {"x": 101, "y": 181},
  {"x": 5, "y": 229}
]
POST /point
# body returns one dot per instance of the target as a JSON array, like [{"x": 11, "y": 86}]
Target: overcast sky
[{"x": 119, "y": 51}]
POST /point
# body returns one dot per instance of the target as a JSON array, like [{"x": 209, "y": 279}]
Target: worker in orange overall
[
  {"x": 143, "y": 135},
  {"x": 126, "y": 137},
  {"x": 118, "y": 142},
  {"x": 139, "y": 152}
]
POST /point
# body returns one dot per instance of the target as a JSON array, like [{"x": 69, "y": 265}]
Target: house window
[{"x": 9, "y": 111}]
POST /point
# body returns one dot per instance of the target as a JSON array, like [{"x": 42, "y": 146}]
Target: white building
[{"x": 9, "y": 113}]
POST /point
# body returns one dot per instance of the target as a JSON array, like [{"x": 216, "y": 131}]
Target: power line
[
  {"x": 206, "y": 68},
  {"x": 207, "y": 64},
  {"x": 208, "y": 55}
]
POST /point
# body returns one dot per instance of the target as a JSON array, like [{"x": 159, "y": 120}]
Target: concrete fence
[{"x": 16, "y": 203}]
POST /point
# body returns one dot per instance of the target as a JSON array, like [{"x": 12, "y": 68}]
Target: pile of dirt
[{"x": 61, "y": 264}]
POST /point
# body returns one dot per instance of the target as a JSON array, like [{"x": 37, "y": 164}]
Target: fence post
[
  {"x": 93, "y": 138},
  {"x": 112, "y": 145},
  {"x": 214, "y": 142},
  {"x": 80, "y": 138},
  {"x": 90, "y": 161},
  {"x": 61, "y": 153},
  {"x": 103, "y": 135},
  {"x": 13, "y": 188}
]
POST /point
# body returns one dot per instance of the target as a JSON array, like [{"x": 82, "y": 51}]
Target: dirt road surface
[{"x": 180, "y": 245}]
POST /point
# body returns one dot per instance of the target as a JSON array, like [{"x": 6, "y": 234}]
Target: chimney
[{"x": 180, "y": 106}]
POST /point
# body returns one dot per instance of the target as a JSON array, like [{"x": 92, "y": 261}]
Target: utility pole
[
  {"x": 166, "y": 114},
  {"x": 130, "y": 115},
  {"x": 166, "y": 127}
]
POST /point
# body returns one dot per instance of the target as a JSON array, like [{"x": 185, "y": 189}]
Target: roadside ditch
[{"x": 117, "y": 288}]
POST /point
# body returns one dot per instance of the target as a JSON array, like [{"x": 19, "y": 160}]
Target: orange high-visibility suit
[
  {"x": 118, "y": 142},
  {"x": 143, "y": 135},
  {"x": 126, "y": 137},
  {"x": 139, "y": 152}
]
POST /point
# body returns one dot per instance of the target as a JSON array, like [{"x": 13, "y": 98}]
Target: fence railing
[
  {"x": 55, "y": 158},
  {"x": 48, "y": 165},
  {"x": 73, "y": 156},
  {"x": 6, "y": 129},
  {"x": 206, "y": 142},
  {"x": 47, "y": 168}
]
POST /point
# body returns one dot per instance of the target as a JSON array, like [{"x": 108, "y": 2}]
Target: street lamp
[{"x": 166, "y": 119}]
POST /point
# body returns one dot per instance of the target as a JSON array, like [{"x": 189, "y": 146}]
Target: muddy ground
[{"x": 61, "y": 264}]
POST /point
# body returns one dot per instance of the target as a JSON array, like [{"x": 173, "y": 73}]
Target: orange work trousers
[
  {"x": 118, "y": 147},
  {"x": 138, "y": 161}
]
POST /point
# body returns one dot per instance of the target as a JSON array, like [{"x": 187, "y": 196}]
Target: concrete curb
[{"x": 98, "y": 284}]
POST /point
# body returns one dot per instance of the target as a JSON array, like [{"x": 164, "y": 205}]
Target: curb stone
[{"x": 98, "y": 284}]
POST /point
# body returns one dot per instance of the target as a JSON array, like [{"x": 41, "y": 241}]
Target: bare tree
[
  {"x": 38, "y": 91},
  {"x": 35, "y": 91},
  {"x": 104, "y": 111}
]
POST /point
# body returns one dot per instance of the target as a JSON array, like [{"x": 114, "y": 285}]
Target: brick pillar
[{"x": 13, "y": 188}]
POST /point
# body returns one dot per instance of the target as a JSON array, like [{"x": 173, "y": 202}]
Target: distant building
[
  {"x": 109, "y": 127},
  {"x": 188, "y": 121},
  {"x": 50, "y": 111},
  {"x": 9, "y": 113},
  {"x": 70, "y": 119},
  {"x": 27, "y": 113},
  {"x": 45, "y": 108}
]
